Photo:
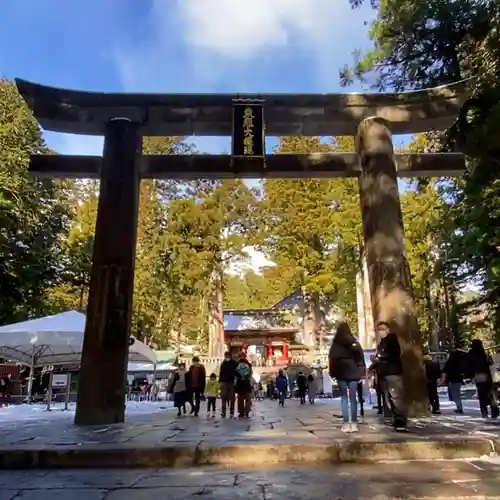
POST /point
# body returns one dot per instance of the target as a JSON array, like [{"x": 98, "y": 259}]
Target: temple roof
[
  {"x": 259, "y": 322},
  {"x": 79, "y": 112}
]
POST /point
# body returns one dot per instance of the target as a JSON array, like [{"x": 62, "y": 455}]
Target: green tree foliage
[
  {"x": 205, "y": 229},
  {"x": 185, "y": 233},
  {"x": 262, "y": 290},
  {"x": 312, "y": 227},
  {"x": 424, "y": 44},
  {"x": 422, "y": 216},
  {"x": 33, "y": 214}
]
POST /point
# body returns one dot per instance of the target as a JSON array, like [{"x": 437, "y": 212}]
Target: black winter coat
[
  {"x": 346, "y": 359},
  {"x": 388, "y": 357},
  {"x": 227, "y": 372},
  {"x": 454, "y": 368},
  {"x": 479, "y": 362},
  {"x": 432, "y": 370}
]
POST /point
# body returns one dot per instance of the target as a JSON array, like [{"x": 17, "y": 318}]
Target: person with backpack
[
  {"x": 197, "y": 380},
  {"x": 282, "y": 387},
  {"x": 244, "y": 385}
]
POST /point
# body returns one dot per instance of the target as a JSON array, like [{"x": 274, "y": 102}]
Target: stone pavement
[
  {"x": 309, "y": 433},
  {"x": 431, "y": 480}
]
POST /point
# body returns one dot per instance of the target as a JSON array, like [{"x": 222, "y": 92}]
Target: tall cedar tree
[
  {"x": 33, "y": 214},
  {"x": 424, "y": 44}
]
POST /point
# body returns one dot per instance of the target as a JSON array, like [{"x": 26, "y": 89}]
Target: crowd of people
[
  {"x": 236, "y": 386},
  {"x": 347, "y": 364}
]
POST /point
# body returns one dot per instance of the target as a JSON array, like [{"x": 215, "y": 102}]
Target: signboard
[
  {"x": 59, "y": 380},
  {"x": 248, "y": 129}
]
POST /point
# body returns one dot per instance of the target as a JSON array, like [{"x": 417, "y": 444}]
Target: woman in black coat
[
  {"x": 347, "y": 365},
  {"x": 479, "y": 365}
]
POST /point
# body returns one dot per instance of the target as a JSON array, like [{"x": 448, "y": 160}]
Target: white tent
[
  {"x": 55, "y": 340},
  {"x": 150, "y": 367}
]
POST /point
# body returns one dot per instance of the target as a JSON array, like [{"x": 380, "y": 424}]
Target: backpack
[{"x": 243, "y": 371}]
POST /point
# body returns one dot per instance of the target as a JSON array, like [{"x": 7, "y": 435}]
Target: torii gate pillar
[
  {"x": 101, "y": 387},
  {"x": 388, "y": 269}
]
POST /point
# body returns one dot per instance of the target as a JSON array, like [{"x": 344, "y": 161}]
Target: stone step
[{"x": 243, "y": 453}]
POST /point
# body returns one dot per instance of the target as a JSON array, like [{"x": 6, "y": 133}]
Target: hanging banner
[{"x": 248, "y": 129}]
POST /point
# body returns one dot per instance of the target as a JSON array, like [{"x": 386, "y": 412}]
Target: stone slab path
[
  {"x": 292, "y": 433},
  {"x": 432, "y": 480}
]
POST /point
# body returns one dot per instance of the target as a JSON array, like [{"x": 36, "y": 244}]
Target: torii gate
[{"x": 123, "y": 119}]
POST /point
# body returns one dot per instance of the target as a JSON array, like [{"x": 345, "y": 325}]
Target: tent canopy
[{"x": 55, "y": 340}]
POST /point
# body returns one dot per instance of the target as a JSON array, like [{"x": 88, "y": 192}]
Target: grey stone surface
[
  {"x": 64, "y": 494},
  {"x": 437, "y": 479},
  {"x": 269, "y": 424}
]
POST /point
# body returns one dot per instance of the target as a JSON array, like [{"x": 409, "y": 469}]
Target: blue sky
[{"x": 179, "y": 46}]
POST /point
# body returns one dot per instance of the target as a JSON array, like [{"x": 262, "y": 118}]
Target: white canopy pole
[
  {"x": 154, "y": 389},
  {"x": 32, "y": 373}
]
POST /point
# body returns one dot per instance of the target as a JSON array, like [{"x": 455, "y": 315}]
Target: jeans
[
  {"x": 281, "y": 397},
  {"x": 361, "y": 398},
  {"x": 302, "y": 396},
  {"x": 349, "y": 397},
  {"x": 432, "y": 393},
  {"x": 244, "y": 403},
  {"x": 211, "y": 403},
  {"x": 394, "y": 395},
  {"x": 311, "y": 392},
  {"x": 486, "y": 395},
  {"x": 454, "y": 389},
  {"x": 196, "y": 394},
  {"x": 227, "y": 397}
]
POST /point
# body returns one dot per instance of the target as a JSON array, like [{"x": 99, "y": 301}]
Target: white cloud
[
  {"x": 242, "y": 28},
  {"x": 242, "y": 45}
]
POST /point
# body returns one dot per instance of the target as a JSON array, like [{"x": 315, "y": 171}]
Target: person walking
[
  {"x": 347, "y": 365},
  {"x": 227, "y": 379},
  {"x": 302, "y": 387},
  {"x": 243, "y": 386},
  {"x": 289, "y": 389},
  {"x": 211, "y": 392},
  {"x": 197, "y": 380},
  {"x": 479, "y": 366},
  {"x": 389, "y": 370},
  {"x": 432, "y": 374},
  {"x": 453, "y": 376},
  {"x": 282, "y": 387},
  {"x": 361, "y": 401},
  {"x": 179, "y": 388},
  {"x": 311, "y": 388},
  {"x": 377, "y": 385}
]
